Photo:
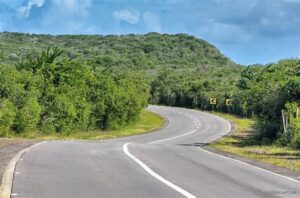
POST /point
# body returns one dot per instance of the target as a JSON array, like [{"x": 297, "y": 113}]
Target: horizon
[{"x": 247, "y": 32}]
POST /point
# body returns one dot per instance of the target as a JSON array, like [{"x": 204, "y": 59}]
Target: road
[{"x": 166, "y": 163}]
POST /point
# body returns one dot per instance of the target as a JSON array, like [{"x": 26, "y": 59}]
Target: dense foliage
[
  {"x": 193, "y": 88},
  {"x": 272, "y": 93},
  {"x": 49, "y": 94},
  {"x": 267, "y": 93}
]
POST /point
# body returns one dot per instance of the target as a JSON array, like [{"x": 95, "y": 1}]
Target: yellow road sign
[
  {"x": 212, "y": 101},
  {"x": 228, "y": 102}
]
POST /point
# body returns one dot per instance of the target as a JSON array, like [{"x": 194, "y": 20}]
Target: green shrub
[
  {"x": 28, "y": 116},
  {"x": 7, "y": 116},
  {"x": 295, "y": 142}
]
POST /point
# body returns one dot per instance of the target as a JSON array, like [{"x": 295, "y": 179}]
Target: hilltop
[{"x": 149, "y": 51}]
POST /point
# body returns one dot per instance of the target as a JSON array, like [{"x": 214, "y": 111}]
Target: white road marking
[
  {"x": 14, "y": 194},
  {"x": 227, "y": 122},
  {"x": 154, "y": 174},
  {"x": 241, "y": 162},
  {"x": 238, "y": 161},
  {"x": 171, "y": 138},
  {"x": 17, "y": 173},
  {"x": 246, "y": 164},
  {"x": 9, "y": 173},
  {"x": 228, "y": 130}
]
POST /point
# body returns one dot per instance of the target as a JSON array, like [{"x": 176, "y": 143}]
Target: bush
[
  {"x": 296, "y": 141},
  {"x": 65, "y": 96},
  {"x": 28, "y": 116},
  {"x": 7, "y": 116}
]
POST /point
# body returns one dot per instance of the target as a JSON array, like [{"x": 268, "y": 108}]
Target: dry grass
[{"x": 243, "y": 144}]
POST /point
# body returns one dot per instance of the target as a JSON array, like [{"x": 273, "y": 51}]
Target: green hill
[
  {"x": 150, "y": 51},
  {"x": 182, "y": 68}
]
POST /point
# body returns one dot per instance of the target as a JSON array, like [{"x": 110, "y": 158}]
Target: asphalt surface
[{"x": 166, "y": 163}]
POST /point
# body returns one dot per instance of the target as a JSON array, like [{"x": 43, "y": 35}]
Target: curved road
[{"x": 166, "y": 163}]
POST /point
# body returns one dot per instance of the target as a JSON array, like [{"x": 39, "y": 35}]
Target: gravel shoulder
[{"x": 9, "y": 147}]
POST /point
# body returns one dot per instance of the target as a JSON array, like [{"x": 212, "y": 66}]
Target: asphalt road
[{"x": 166, "y": 163}]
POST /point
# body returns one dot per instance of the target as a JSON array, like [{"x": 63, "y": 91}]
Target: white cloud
[
  {"x": 74, "y": 13},
  {"x": 24, "y": 11},
  {"x": 152, "y": 22},
  {"x": 128, "y": 15},
  {"x": 223, "y": 32},
  {"x": 78, "y": 7}
]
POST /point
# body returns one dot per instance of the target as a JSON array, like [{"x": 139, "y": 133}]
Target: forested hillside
[
  {"x": 150, "y": 51},
  {"x": 185, "y": 70},
  {"x": 86, "y": 82}
]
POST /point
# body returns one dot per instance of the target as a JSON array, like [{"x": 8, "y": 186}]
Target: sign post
[
  {"x": 284, "y": 121},
  {"x": 228, "y": 103},
  {"x": 213, "y": 102}
]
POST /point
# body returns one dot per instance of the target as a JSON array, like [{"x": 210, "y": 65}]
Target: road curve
[{"x": 166, "y": 163}]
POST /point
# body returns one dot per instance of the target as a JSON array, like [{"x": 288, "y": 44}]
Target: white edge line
[
  {"x": 155, "y": 175},
  {"x": 241, "y": 162},
  {"x": 8, "y": 175},
  {"x": 246, "y": 164},
  {"x": 228, "y": 123}
]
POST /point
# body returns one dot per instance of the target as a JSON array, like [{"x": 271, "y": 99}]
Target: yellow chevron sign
[
  {"x": 228, "y": 102},
  {"x": 212, "y": 101}
]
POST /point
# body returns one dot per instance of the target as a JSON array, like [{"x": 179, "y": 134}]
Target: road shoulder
[
  {"x": 10, "y": 149},
  {"x": 282, "y": 171},
  {"x": 219, "y": 147}
]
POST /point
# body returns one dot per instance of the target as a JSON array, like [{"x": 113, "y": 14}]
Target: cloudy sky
[{"x": 247, "y": 31}]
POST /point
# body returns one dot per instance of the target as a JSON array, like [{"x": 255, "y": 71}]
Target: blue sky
[{"x": 247, "y": 31}]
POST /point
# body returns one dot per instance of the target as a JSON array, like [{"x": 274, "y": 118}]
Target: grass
[
  {"x": 242, "y": 143},
  {"x": 146, "y": 122}
]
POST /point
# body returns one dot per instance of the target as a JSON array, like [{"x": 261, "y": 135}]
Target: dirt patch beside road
[{"x": 9, "y": 148}]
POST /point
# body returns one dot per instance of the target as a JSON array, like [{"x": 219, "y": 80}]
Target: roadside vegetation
[
  {"x": 269, "y": 94},
  {"x": 103, "y": 82},
  {"x": 145, "y": 123},
  {"x": 245, "y": 142},
  {"x": 47, "y": 94},
  {"x": 89, "y": 83}
]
